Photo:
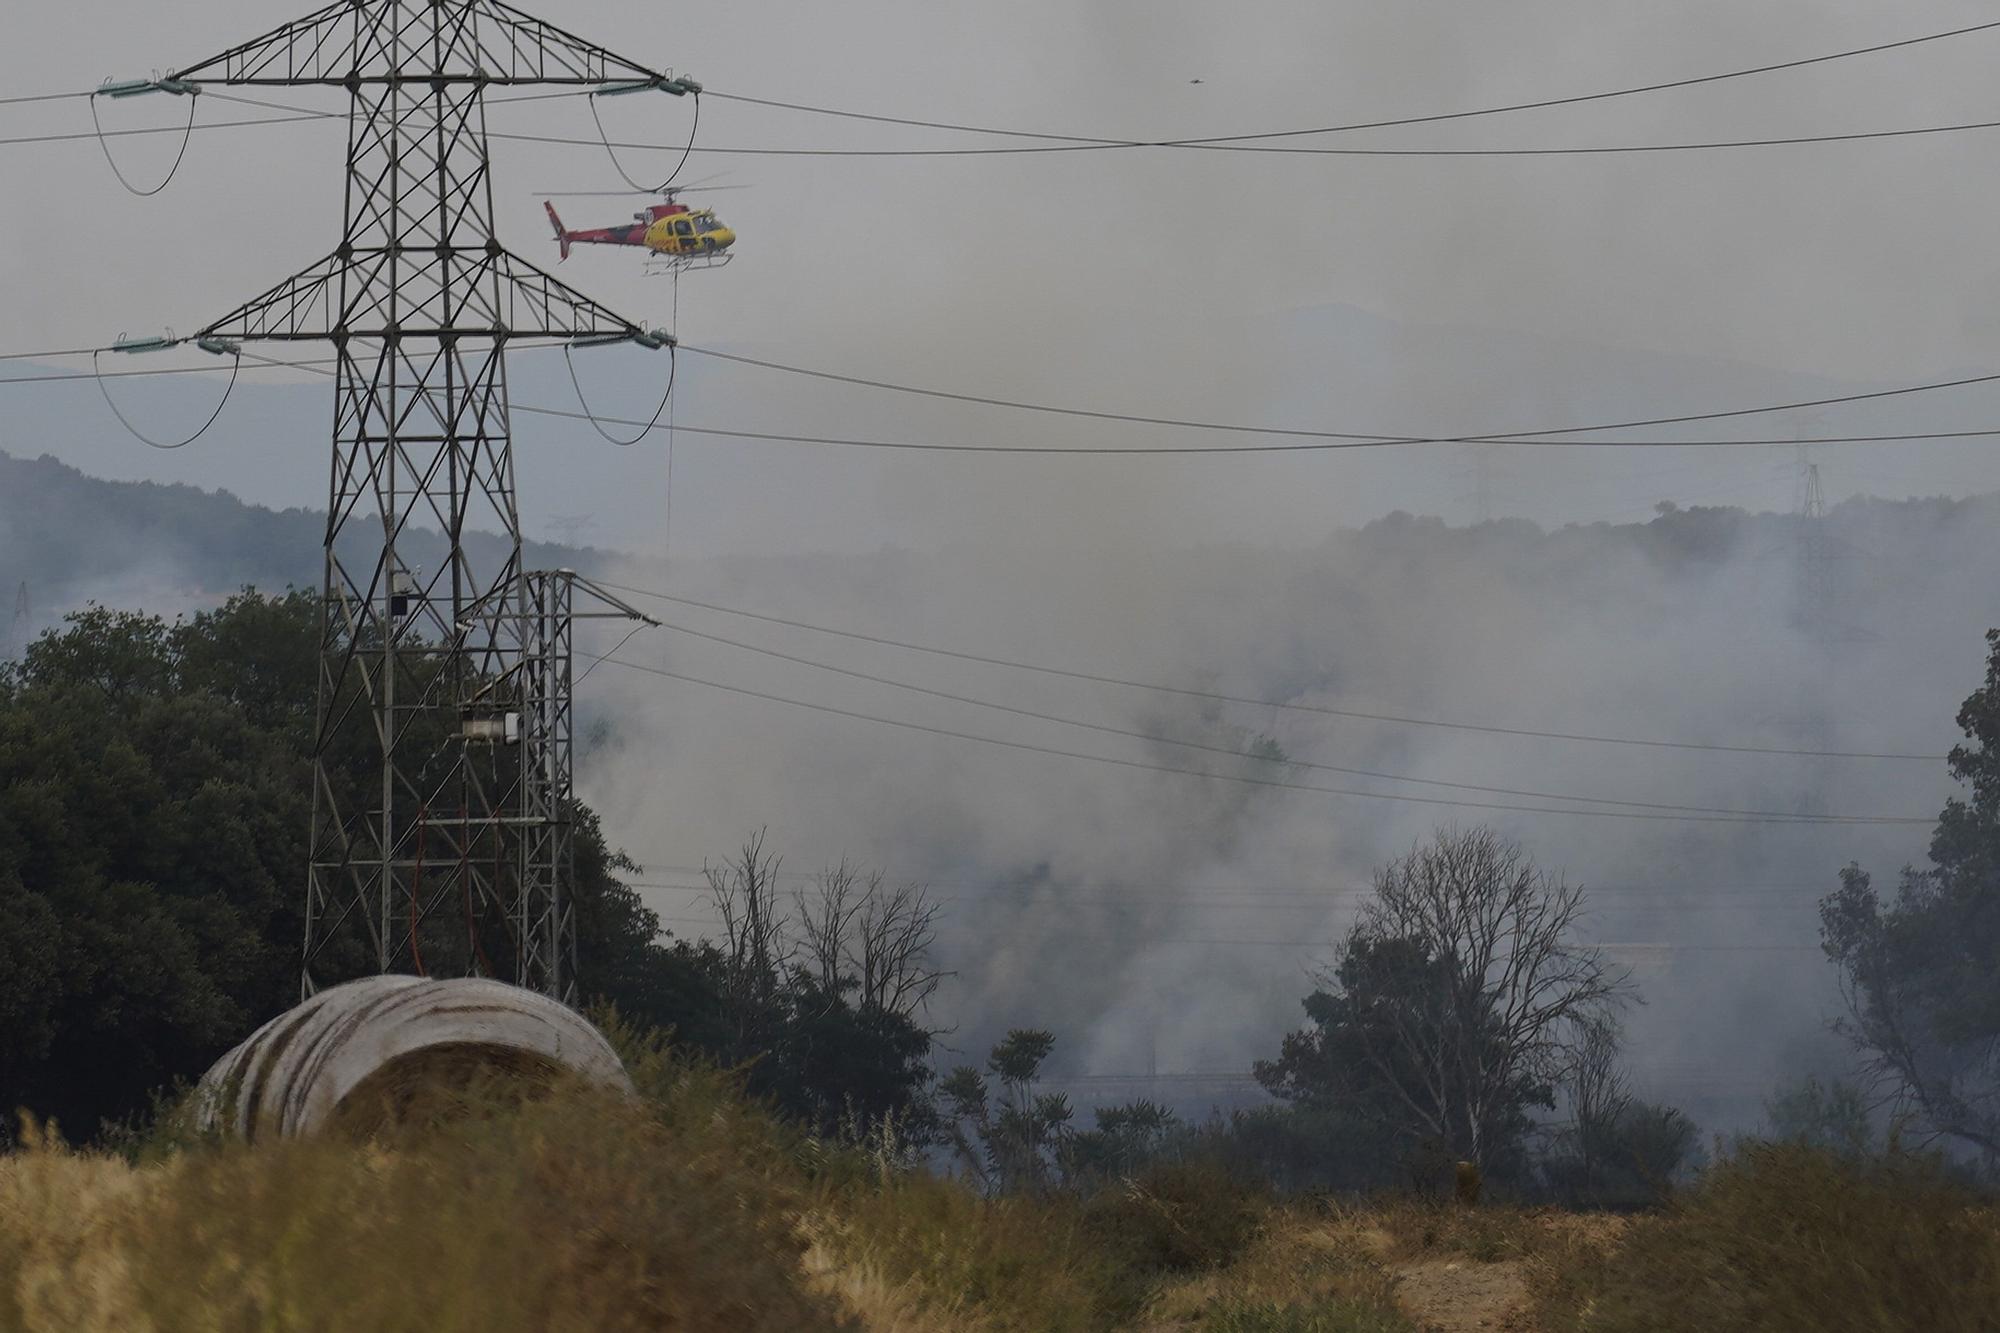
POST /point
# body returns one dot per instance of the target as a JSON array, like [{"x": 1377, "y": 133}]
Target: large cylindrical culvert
[{"x": 352, "y": 1050}]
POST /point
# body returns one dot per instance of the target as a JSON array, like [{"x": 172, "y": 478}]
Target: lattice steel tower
[{"x": 440, "y": 831}]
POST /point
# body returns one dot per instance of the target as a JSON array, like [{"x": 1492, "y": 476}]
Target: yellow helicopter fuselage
[{"x": 690, "y": 233}]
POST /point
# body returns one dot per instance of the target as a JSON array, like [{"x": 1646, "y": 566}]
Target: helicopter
[{"x": 676, "y": 238}]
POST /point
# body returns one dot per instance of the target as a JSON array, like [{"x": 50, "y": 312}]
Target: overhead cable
[
  {"x": 1372, "y": 437},
  {"x": 1223, "y": 750},
  {"x": 46, "y": 97},
  {"x": 1664, "y": 85},
  {"x": 1782, "y": 141},
  {"x": 646, "y": 427},
  {"x": 235, "y": 364},
  {"x": 1217, "y": 696},
  {"x": 1200, "y": 450},
  {"x": 1236, "y": 898},
  {"x": 1389, "y": 123},
  {"x": 187, "y": 133},
  {"x": 685, "y": 150},
  {"x": 1302, "y": 945},
  {"x": 1246, "y": 779},
  {"x": 609, "y": 151},
  {"x": 1337, "y": 439}
]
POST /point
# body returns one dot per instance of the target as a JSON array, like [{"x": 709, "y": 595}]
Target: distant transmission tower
[
  {"x": 17, "y": 628},
  {"x": 448, "y": 685},
  {"x": 571, "y": 527},
  {"x": 1812, "y": 603},
  {"x": 1478, "y": 462}
]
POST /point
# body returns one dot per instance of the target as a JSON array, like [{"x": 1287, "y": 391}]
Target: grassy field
[{"x": 690, "y": 1209}]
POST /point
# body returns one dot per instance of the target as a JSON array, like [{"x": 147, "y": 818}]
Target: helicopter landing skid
[{"x": 674, "y": 265}]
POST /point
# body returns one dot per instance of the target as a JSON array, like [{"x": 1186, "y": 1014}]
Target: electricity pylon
[
  {"x": 17, "y": 629},
  {"x": 440, "y": 783}
]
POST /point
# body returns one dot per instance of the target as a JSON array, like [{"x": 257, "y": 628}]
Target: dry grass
[
  {"x": 927, "y": 1247},
  {"x": 1309, "y": 1270},
  {"x": 1786, "y": 1236},
  {"x": 580, "y": 1212},
  {"x": 65, "y": 1258},
  {"x": 691, "y": 1209}
]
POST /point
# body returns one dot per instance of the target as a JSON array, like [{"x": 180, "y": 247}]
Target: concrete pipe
[{"x": 351, "y": 1053}]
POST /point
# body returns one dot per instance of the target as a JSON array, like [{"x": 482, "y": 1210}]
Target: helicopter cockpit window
[
  {"x": 681, "y": 228},
  {"x": 704, "y": 224}
]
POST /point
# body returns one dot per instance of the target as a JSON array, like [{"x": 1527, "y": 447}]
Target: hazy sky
[
  {"x": 1373, "y": 294},
  {"x": 1393, "y": 294}
]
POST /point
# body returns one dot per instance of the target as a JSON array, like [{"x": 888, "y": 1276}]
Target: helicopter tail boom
[{"x": 562, "y": 235}]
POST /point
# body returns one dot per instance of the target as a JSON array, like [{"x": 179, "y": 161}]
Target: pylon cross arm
[
  {"x": 355, "y": 42},
  {"x": 474, "y": 292}
]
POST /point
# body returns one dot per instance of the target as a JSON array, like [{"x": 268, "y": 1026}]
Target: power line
[
  {"x": 302, "y": 114},
  {"x": 1223, "y": 750},
  {"x": 1427, "y": 119},
  {"x": 168, "y": 129},
  {"x": 1659, "y": 900},
  {"x": 1206, "y": 450},
  {"x": 717, "y": 150},
  {"x": 1247, "y": 779},
  {"x": 222, "y": 367},
  {"x": 1374, "y": 437},
  {"x": 1728, "y": 891},
  {"x": 1214, "y": 140},
  {"x": 1223, "y": 697},
  {"x": 42, "y": 97},
  {"x": 1338, "y": 440},
  {"x": 1304, "y": 946}
]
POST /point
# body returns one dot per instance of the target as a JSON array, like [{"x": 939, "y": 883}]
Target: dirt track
[{"x": 1457, "y": 1295}]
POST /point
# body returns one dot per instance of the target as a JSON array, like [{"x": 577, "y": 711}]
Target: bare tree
[
  {"x": 1461, "y": 996},
  {"x": 757, "y": 950},
  {"x": 891, "y": 951},
  {"x": 826, "y": 919},
  {"x": 1598, "y": 1093}
]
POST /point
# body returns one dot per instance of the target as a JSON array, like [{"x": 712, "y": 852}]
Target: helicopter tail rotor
[{"x": 562, "y": 235}]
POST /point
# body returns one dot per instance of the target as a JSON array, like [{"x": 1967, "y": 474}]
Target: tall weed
[{"x": 1790, "y": 1236}]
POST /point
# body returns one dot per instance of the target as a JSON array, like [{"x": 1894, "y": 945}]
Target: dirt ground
[{"x": 1457, "y": 1295}]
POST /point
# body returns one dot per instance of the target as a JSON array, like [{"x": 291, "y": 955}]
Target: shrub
[
  {"x": 1790, "y": 1236},
  {"x": 1178, "y": 1217},
  {"x": 1020, "y": 1262}
]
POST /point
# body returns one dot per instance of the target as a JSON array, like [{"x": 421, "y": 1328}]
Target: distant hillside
[{"x": 74, "y": 539}]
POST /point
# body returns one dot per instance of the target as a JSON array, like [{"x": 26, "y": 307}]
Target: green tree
[
  {"x": 1919, "y": 970},
  {"x": 1017, "y": 1139},
  {"x": 1832, "y": 1117},
  {"x": 1459, "y": 1001},
  {"x": 822, "y": 995},
  {"x": 149, "y": 850},
  {"x": 154, "y": 789}
]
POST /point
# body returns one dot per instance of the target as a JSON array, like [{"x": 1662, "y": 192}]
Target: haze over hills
[
  {"x": 1163, "y": 922},
  {"x": 1333, "y": 367}
]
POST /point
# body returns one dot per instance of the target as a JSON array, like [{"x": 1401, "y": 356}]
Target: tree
[
  {"x": 1832, "y": 1117},
  {"x": 1614, "y": 1150},
  {"x": 1918, "y": 971},
  {"x": 1459, "y": 1001},
  {"x": 150, "y": 845},
  {"x": 1126, "y": 1139},
  {"x": 1014, "y": 1141},
  {"x": 154, "y": 801},
  {"x": 821, "y": 1004}
]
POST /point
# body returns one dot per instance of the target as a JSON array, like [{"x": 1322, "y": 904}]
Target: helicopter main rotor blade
[{"x": 631, "y": 194}]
